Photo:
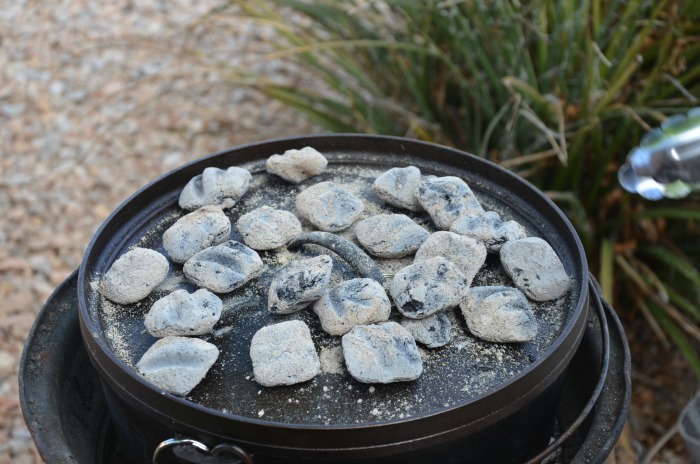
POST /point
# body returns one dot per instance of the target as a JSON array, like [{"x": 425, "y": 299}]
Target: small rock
[
  {"x": 223, "y": 268},
  {"x": 8, "y": 362},
  {"x": 297, "y": 165},
  {"x": 298, "y": 284},
  {"x": 184, "y": 313},
  {"x": 134, "y": 275},
  {"x": 499, "y": 314},
  {"x": 177, "y": 364},
  {"x": 329, "y": 207},
  {"x": 382, "y": 353},
  {"x": 353, "y": 302},
  {"x": 390, "y": 235},
  {"x": 17, "y": 326},
  {"x": 464, "y": 252},
  {"x": 12, "y": 110},
  {"x": 41, "y": 264},
  {"x": 446, "y": 199},
  {"x": 433, "y": 331},
  {"x": 284, "y": 354},
  {"x": 429, "y": 286},
  {"x": 535, "y": 268},
  {"x": 266, "y": 228},
  {"x": 489, "y": 229},
  {"x": 398, "y": 187},
  {"x": 222, "y": 188},
  {"x": 196, "y": 231}
]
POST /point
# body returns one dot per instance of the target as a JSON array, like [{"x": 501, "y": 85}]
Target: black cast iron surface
[
  {"x": 472, "y": 428},
  {"x": 66, "y": 413},
  {"x": 465, "y": 370},
  {"x": 61, "y": 397}
]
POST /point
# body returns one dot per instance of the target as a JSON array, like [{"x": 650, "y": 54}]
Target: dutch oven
[{"x": 500, "y": 406}]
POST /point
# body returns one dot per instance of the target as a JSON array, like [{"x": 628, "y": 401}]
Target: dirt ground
[{"x": 99, "y": 98}]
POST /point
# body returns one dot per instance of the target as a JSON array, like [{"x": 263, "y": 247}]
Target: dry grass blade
[
  {"x": 670, "y": 310},
  {"x": 559, "y": 146},
  {"x": 682, "y": 265},
  {"x": 665, "y": 438},
  {"x": 528, "y": 159},
  {"x": 651, "y": 276},
  {"x": 653, "y": 323},
  {"x": 607, "y": 266},
  {"x": 346, "y": 44}
]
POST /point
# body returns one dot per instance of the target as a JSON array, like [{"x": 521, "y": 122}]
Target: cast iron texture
[
  {"x": 71, "y": 425},
  {"x": 61, "y": 398},
  {"x": 529, "y": 397},
  {"x": 600, "y": 432}
]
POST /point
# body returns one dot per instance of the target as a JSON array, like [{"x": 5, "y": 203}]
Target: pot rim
[{"x": 100, "y": 352}]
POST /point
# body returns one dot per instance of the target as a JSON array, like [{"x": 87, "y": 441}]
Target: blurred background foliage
[{"x": 558, "y": 91}]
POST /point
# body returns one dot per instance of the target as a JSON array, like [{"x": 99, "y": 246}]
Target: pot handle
[{"x": 197, "y": 452}]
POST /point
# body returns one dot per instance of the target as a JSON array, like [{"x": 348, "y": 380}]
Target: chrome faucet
[{"x": 666, "y": 164}]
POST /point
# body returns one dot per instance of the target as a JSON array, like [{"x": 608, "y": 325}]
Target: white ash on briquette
[
  {"x": 329, "y": 207},
  {"x": 382, "y": 353},
  {"x": 134, "y": 275},
  {"x": 284, "y": 354},
  {"x": 296, "y": 166},
  {"x": 535, "y": 268},
  {"x": 499, "y": 314},
  {"x": 223, "y": 268},
  {"x": 267, "y": 228},
  {"x": 489, "y": 229},
  {"x": 429, "y": 286},
  {"x": 351, "y": 303},
  {"x": 218, "y": 187},
  {"x": 464, "y": 252},
  {"x": 398, "y": 187},
  {"x": 390, "y": 235},
  {"x": 432, "y": 331},
  {"x": 177, "y": 364},
  {"x": 196, "y": 231},
  {"x": 446, "y": 199},
  {"x": 298, "y": 284},
  {"x": 184, "y": 314}
]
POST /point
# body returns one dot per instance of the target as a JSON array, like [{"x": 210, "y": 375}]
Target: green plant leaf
[
  {"x": 685, "y": 212},
  {"x": 519, "y": 84},
  {"x": 677, "y": 263},
  {"x": 677, "y": 336},
  {"x": 607, "y": 264}
]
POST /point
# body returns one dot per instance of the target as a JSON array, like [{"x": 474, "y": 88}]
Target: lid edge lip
[{"x": 333, "y": 139}]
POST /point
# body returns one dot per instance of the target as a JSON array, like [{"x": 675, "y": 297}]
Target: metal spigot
[{"x": 666, "y": 164}]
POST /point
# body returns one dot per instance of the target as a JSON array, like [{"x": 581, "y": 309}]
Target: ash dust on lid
[{"x": 452, "y": 375}]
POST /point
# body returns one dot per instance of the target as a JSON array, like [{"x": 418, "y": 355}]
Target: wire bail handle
[{"x": 242, "y": 456}]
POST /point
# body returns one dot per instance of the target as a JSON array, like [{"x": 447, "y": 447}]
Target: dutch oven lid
[{"x": 468, "y": 374}]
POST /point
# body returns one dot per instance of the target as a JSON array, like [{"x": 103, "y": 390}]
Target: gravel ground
[{"x": 97, "y": 99}]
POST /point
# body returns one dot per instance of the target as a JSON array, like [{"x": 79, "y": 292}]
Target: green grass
[{"x": 558, "y": 91}]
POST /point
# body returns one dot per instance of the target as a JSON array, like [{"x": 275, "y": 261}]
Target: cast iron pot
[
  {"x": 66, "y": 412},
  {"x": 509, "y": 422}
]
